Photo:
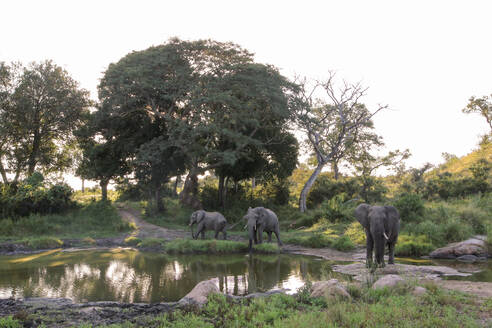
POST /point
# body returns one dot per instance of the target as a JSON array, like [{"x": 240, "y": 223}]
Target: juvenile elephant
[
  {"x": 382, "y": 225},
  {"x": 259, "y": 220},
  {"x": 208, "y": 221}
]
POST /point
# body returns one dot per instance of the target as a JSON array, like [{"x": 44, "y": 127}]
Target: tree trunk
[
  {"x": 83, "y": 185},
  {"x": 4, "y": 173},
  {"x": 104, "y": 189},
  {"x": 159, "y": 204},
  {"x": 307, "y": 187},
  {"x": 189, "y": 194},
  {"x": 221, "y": 191},
  {"x": 335, "y": 170},
  {"x": 34, "y": 153},
  {"x": 178, "y": 180}
]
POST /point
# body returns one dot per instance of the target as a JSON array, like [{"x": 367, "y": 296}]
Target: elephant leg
[
  {"x": 216, "y": 234},
  {"x": 250, "y": 247},
  {"x": 203, "y": 234},
  {"x": 379, "y": 244},
  {"x": 391, "y": 253},
  {"x": 277, "y": 234},
  {"x": 369, "y": 247},
  {"x": 256, "y": 239},
  {"x": 260, "y": 235},
  {"x": 269, "y": 236}
]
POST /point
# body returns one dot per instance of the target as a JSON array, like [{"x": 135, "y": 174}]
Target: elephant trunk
[{"x": 251, "y": 234}]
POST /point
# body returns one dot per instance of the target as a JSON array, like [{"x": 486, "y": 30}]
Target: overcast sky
[{"x": 422, "y": 58}]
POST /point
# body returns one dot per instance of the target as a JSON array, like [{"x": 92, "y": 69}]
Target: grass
[
  {"x": 367, "y": 308},
  {"x": 93, "y": 220},
  {"x": 214, "y": 246}
]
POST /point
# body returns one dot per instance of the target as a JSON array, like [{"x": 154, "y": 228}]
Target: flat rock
[
  {"x": 361, "y": 273},
  {"x": 476, "y": 246},
  {"x": 329, "y": 288},
  {"x": 200, "y": 292},
  {"x": 389, "y": 280},
  {"x": 418, "y": 291}
]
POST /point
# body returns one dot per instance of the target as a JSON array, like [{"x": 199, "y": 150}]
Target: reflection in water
[{"x": 127, "y": 275}]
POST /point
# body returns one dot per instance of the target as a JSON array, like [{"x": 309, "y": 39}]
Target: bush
[
  {"x": 44, "y": 243},
  {"x": 183, "y": 246},
  {"x": 356, "y": 233},
  {"x": 343, "y": 243},
  {"x": 413, "y": 246},
  {"x": 132, "y": 241},
  {"x": 325, "y": 188},
  {"x": 410, "y": 206},
  {"x": 32, "y": 196},
  {"x": 9, "y": 322}
]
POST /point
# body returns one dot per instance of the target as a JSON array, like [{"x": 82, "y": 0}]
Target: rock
[
  {"x": 473, "y": 246},
  {"x": 468, "y": 258},
  {"x": 419, "y": 291},
  {"x": 329, "y": 288},
  {"x": 198, "y": 295},
  {"x": 361, "y": 273},
  {"x": 389, "y": 280}
]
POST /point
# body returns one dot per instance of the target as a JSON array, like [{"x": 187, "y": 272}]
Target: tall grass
[{"x": 95, "y": 220}]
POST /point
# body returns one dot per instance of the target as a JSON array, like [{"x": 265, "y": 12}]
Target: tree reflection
[{"x": 127, "y": 275}]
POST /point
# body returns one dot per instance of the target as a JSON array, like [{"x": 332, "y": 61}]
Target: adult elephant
[
  {"x": 208, "y": 221},
  {"x": 382, "y": 225},
  {"x": 259, "y": 220}
]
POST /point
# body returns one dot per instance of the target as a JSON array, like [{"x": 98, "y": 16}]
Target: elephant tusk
[
  {"x": 245, "y": 227},
  {"x": 385, "y": 236}
]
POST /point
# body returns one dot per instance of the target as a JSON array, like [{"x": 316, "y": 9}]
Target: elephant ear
[
  {"x": 361, "y": 214},
  {"x": 200, "y": 216},
  {"x": 392, "y": 219}
]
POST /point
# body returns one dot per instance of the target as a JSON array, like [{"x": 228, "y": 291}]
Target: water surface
[{"x": 128, "y": 275}]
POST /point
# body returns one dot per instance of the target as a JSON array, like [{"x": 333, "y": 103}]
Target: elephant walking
[
  {"x": 259, "y": 220},
  {"x": 208, "y": 221},
  {"x": 382, "y": 225}
]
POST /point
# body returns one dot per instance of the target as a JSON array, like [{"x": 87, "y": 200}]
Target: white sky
[{"x": 422, "y": 58}]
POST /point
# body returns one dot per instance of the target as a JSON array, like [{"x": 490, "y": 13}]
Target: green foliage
[
  {"x": 326, "y": 188},
  {"x": 410, "y": 206},
  {"x": 268, "y": 248},
  {"x": 96, "y": 220},
  {"x": 34, "y": 196},
  {"x": 355, "y": 232},
  {"x": 44, "y": 243},
  {"x": 189, "y": 246},
  {"x": 368, "y": 308},
  {"x": 151, "y": 243},
  {"x": 413, "y": 246},
  {"x": 343, "y": 243},
  {"x": 9, "y": 322},
  {"x": 41, "y": 106},
  {"x": 132, "y": 241}
]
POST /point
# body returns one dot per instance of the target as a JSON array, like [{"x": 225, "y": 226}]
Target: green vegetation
[
  {"x": 94, "y": 220},
  {"x": 187, "y": 246},
  {"x": 367, "y": 308},
  {"x": 10, "y": 322}
]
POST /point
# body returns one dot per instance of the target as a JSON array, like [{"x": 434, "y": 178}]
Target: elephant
[
  {"x": 259, "y": 220},
  {"x": 208, "y": 221},
  {"x": 382, "y": 225}
]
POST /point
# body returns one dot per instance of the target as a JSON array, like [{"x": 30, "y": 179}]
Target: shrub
[
  {"x": 152, "y": 243},
  {"x": 343, "y": 243},
  {"x": 44, "y": 243},
  {"x": 410, "y": 206},
  {"x": 9, "y": 322},
  {"x": 183, "y": 246},
  {"x": 356, "y": 233},
  {"x": 132, "y": 241},
  {"x": 413, "y": 246}
]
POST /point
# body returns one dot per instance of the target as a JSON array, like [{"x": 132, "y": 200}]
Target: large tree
[
  {"x": 482, "y": 106},
  {"x": 41, "y": 107},
  {"x": 212, "y": 104},
  {"x": 332, "y": 126}
]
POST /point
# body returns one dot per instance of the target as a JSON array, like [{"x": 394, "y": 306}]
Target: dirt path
[{"x": 148, "y": 230}]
